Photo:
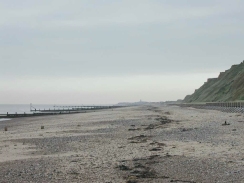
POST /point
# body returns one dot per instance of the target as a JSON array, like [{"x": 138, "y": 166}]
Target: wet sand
[{"x": 133, "y": 144}]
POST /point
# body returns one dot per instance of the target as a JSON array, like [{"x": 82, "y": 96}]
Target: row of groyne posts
[
  {"x": 230, "y": 107},
  {"x": 72, "y": 108},
  {"x": 58, "y": 110}
]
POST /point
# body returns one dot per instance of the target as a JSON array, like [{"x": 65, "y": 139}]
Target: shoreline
[{"x": 4, "y": 119}]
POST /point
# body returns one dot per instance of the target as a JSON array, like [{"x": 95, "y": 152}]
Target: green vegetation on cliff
[{"x": 229, "y": 86}]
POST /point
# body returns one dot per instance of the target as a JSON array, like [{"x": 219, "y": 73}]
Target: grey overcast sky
[{"x": 109, "y": 51}]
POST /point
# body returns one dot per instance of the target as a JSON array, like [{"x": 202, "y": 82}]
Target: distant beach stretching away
[{"x": 150, "y": 143}]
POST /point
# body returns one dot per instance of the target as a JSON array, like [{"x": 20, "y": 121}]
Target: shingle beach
[{"x": 131, "y": 144}]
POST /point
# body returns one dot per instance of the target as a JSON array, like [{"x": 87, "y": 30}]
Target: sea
[
  {"x": 21, "y": 108},
  {"x": 25, "y": 108}
]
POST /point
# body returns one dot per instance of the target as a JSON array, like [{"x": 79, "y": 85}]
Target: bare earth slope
[
  {"x": 229, "y": 86},
  {"x": 134, "y": 144}
]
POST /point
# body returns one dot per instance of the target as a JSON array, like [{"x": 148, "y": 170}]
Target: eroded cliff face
[{"x": 229, "y": 86}]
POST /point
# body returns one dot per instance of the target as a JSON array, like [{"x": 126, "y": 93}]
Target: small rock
[{"x": 225, "y": 124}]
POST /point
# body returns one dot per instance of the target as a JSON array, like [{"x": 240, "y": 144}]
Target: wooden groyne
[
  {"x": 19, "y": 115},
  {"x": 230, "y": 107},
  {"x": 73, "y": 108},
  {"x": 57, "y": 111},
  {"x": 88, "y": 107}
]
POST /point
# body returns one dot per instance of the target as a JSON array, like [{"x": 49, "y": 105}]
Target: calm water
[
  {"x": 21, "y": 108},
  {"x": 25, "y": 108}
]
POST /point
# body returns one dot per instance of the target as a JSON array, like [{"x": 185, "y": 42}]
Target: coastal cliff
[{"x": 229, "y": 86}]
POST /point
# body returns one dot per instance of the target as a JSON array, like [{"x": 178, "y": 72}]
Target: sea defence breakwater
[
  {"x": 231, "y": 107},
  {"x": 58, "y": 110}
]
